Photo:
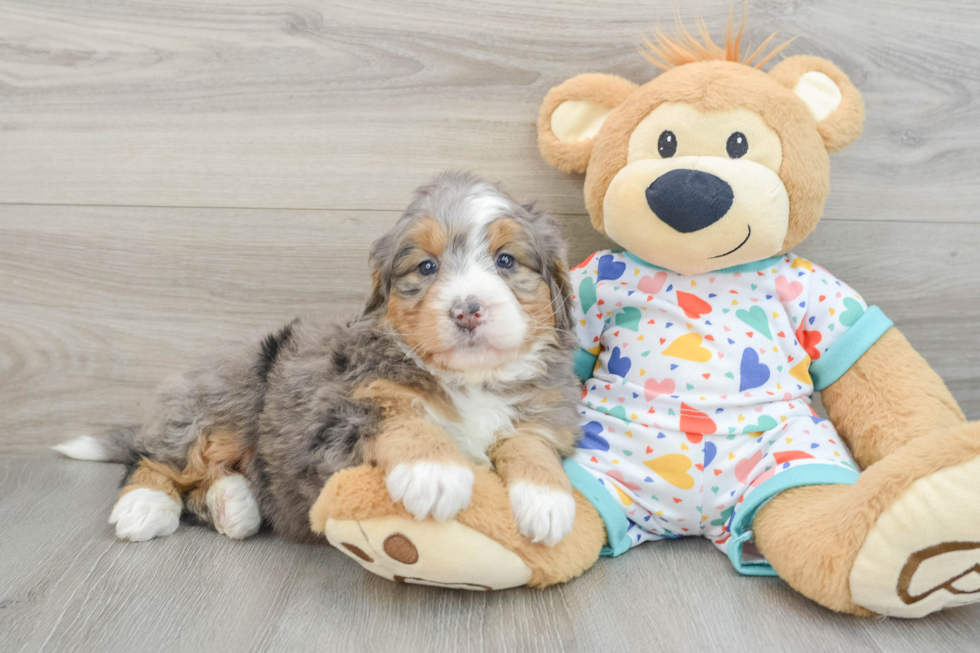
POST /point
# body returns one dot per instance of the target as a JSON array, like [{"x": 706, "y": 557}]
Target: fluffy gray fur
[{"x": 289, "y": 394}]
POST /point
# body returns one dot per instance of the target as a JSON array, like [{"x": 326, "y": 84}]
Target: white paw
[
  {"x": 542, "y": 514},
  {"x": 428, "y": 488},
  {"x": 234, "y": 511},
  {"x": 142, "y": 514}
]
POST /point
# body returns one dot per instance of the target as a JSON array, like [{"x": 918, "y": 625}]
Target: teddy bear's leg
[
  {"x": 481, "y": 549},
  {"x": 903, "y": 541}
]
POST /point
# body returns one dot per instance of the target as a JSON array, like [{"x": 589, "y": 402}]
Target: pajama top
[{"x": 696, "y": 405}]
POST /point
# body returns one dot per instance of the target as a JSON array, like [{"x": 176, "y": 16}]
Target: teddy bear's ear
[
  {"x": 831, "y": 97},
  {"x": 572, "y": 114}
]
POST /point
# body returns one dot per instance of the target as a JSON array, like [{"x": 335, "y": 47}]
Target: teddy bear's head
[{"x": 714, "y": 163}]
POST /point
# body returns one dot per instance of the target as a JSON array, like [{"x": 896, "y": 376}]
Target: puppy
[{"x": 462, "y": 356}]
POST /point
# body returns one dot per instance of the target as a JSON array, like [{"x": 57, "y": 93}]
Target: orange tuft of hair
[{"x": 670, "y": 52}]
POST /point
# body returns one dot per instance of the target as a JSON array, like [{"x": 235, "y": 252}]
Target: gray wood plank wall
[{"x": 175, "y": 173}]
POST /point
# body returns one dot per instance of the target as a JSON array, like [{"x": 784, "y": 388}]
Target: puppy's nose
[
  {"x": 468, "y": 313},
  {"x": 689, "y": 200}
]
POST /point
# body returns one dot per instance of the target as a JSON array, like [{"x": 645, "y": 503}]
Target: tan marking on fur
[
  {"x": 397, "y": 399},
  {"x": 831, "y": 522},
  {"x": 148, "y": 475},
  {"x": 889, "y": 397},
  {"x": 430, "y": 235},
  {"x": 508, "y": 234},
  {"x": 420, "y": 324},
  {"x": 417, "y": 321},
  {"x": 531, "y": 455},
  {"x": 406, "y": 436},
  {"x": 377, "y": 297},
  {"x": 505, "y": 232},
  {"x": 211, "y": 457},
  {"x": 539, "y": 310},
  {"x": 410, "y": 438}
]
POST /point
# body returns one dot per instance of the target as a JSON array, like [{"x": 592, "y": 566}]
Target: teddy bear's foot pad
[
  {"x": 923, "y": 553},
  {"x": 443, "y": 554}
]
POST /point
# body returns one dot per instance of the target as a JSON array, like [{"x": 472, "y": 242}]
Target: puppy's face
[{"x": 470, "y": 279}]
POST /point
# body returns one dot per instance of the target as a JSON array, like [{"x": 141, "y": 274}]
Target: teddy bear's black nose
[{"x": 689, "y": 200}]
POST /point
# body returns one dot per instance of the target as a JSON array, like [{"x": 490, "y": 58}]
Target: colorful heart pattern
[
  {"x": 702, "y": 388},
  {"x": 688, "y": 347},
  {"x": 653, "y": 388},
  {"x": 652, "y": 285},
  {"x": 692, "y": 305},
  {"x": 752, "y": 373}
]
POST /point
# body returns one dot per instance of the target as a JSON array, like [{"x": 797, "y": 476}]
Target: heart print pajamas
[{"x": 696, "y": 405}]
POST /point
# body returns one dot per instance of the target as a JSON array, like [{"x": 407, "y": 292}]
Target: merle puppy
[{"x": 461, "y": 356}]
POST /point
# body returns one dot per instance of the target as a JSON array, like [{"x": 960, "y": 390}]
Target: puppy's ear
[
  {"x": 561, "y": 295},
  {"x": 380, "y": 263},
  {"x": 572, "y": 114},
  {"x": 829, "y": 95}
]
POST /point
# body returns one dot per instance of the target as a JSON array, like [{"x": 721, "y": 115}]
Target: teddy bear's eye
[
  {"x": 737, "y": 145},
  {"x": 667, "y": 145}
]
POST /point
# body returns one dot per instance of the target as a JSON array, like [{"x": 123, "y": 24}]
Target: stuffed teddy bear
[{"x": 702, "y": 342}]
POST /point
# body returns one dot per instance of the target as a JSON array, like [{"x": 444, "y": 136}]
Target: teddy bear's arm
[{"x": 887, "y": 398}]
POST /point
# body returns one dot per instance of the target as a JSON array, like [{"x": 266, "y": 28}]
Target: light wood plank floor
[{"x": 175, "y": 173}]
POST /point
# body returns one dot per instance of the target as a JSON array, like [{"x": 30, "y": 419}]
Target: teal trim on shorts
[
  {"x": 605, "y": 505},
  {"x": 811, "y": 474},
  {"x": 584, "y": 363},
  {"x": 754, "y": 266},
  {"x": 845, "y": 352}
]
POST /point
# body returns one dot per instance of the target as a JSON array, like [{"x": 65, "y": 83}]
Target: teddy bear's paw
[
  {"x": 923, "y": 552},
  {"x": 442, "y": 554}
]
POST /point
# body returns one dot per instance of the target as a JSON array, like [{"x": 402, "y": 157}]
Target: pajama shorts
[{"x": 675, "y": 484}]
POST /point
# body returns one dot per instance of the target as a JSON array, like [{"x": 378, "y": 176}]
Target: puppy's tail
[{"x": 117, "y": 446}]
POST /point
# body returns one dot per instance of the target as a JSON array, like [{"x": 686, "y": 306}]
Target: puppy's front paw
[
  {"x": 428, "y": 488},
  {"x": 542, "y": 514}
]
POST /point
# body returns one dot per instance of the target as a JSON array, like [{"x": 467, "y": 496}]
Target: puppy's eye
[
  {"x": 427, "y": 267},
  {"x": 667, "y": 144},
  {"x": 506, "y": 261},
  {"x": 737, "y": 145}
]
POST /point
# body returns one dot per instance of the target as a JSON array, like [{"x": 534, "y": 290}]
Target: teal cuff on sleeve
[
  {"x": 852, "y": 345},
  {"x": 605, "y": 505},
  {"x": 584, "y": 363},
  {"x": 814, "y": 474}
]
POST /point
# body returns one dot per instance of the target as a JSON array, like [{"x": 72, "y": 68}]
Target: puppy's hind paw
[
  {"x": 143, "y": 513},
  {"x": 542, "y": 514},
  {"x": 429, "y": 488},
  {"x": 234, "y": 511}
]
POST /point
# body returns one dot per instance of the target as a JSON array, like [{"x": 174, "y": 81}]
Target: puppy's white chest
[{"x": 483, "y": 417}]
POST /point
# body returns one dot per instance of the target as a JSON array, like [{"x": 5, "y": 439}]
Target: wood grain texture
[
  {"x": 100, "y": 304},
  {"x": 177, "y": 173},
  {"x": 351, "y": 104},
  {"x": 67, "y": 584}
]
